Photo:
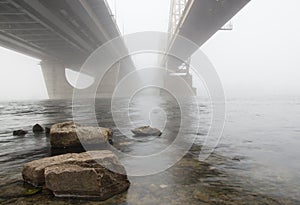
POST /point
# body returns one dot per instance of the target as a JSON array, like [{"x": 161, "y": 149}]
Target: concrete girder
[
  {"x": 200, "y": 20},
  {"x": 9, "y": 42},
  {"x": 42, "y": 15}
]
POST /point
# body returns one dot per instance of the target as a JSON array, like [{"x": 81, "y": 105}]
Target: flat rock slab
[
  {"x": 34, "y": 172},
  {"x": 70, "y": 134}
]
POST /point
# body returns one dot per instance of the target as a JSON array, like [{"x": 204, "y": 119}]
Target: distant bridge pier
[
  {"x": 119, "y": 72},
  {"x": 58, "y": 86},
  {"x": 55, "y": 79},
  {"x": 109, "y": 82},
  {"x": 179, "y": 80}
]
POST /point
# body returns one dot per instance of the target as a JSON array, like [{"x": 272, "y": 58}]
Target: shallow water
[{"x": 256, "y": 161}]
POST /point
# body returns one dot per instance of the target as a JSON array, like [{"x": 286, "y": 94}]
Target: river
[{"x": 257, "y": 160}]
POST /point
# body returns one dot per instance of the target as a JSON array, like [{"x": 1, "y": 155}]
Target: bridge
[
  {"x": 197, "y": 21},
  {"x": 63, "y": 33}
]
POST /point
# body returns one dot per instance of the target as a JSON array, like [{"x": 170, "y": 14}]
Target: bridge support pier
[
  {"x": 109, "y": 82},
  {"x": 55, "y": 80},
  {"x": 58, "y": 86}
]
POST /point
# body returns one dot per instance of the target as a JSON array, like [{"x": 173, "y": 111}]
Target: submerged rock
[
  {"x": 66, "y": 135},
  {"x": 37, "y": 128},
  {"x": 79, "y": 175},
  {"x": 47, "y": 130},
  {"x": 19, "y": 132},
  {"x": 146, "y": 131},
  {"x": 17, "y": 189},
  {"x": 163, "y": 186},
  {"x": 30, "y": 192}
]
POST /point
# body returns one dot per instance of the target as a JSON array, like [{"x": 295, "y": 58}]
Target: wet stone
[
  {"x": 19, "y": 132},
  {"x": 18, "y": 189},
  {"x": 78, "y": 181},
  {"x": 33, "y": 172},
  {"x": 79, "y": 175},
  {"x": 146, "y": 131},
  {"x": 70, "y": 134},
  {"x": 37, "y": 128}
]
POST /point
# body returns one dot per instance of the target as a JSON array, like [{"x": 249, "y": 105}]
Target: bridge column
[
  {"x": 55, "y": 80},
  {"x": 109, "y": 82}
]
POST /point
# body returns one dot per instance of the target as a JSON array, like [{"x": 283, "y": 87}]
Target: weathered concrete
[
  {"x": 45, "y": 33},
  {"x": 109, "y": 82},
  {"x": 19, "y": 132},
  {"x": 180, "y": 86},
  {"x": 55, "y": 80}
]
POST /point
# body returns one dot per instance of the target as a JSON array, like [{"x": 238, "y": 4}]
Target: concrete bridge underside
[
  {"x": 199, "y": 21},
  {"x": 62, "y": 33}
]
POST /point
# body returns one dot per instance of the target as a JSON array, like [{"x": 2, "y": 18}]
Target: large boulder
[
  {"x": 86, "y": 174},
  {"x": 90, "y": 182},
  {"x": 70, "y": 134}
]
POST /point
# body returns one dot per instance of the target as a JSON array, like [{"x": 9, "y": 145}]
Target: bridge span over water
[
  {"x": 63, "y": 33},
  {"x": 197, "y": 21}
]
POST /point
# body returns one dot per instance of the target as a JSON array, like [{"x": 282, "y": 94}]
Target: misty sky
[{"x": 259, "y": 57}]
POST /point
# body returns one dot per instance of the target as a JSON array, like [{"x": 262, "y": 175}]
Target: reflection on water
[{"x": 234, "y": 174}]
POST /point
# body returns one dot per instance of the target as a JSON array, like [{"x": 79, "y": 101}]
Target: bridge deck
[
  {"x": 64, "y": 29},
  {"x": 201, "y": 19}
]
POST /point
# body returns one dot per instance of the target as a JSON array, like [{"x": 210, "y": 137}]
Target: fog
[{"x": 260, "y": 57}]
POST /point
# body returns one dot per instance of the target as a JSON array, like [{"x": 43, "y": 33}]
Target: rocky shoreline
[
  {"x": 79, "y": 175},
  {"x": 84, "y": 175}
]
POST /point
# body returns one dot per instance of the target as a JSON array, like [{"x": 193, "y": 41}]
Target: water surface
[{"x": 256, "y": 161}]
